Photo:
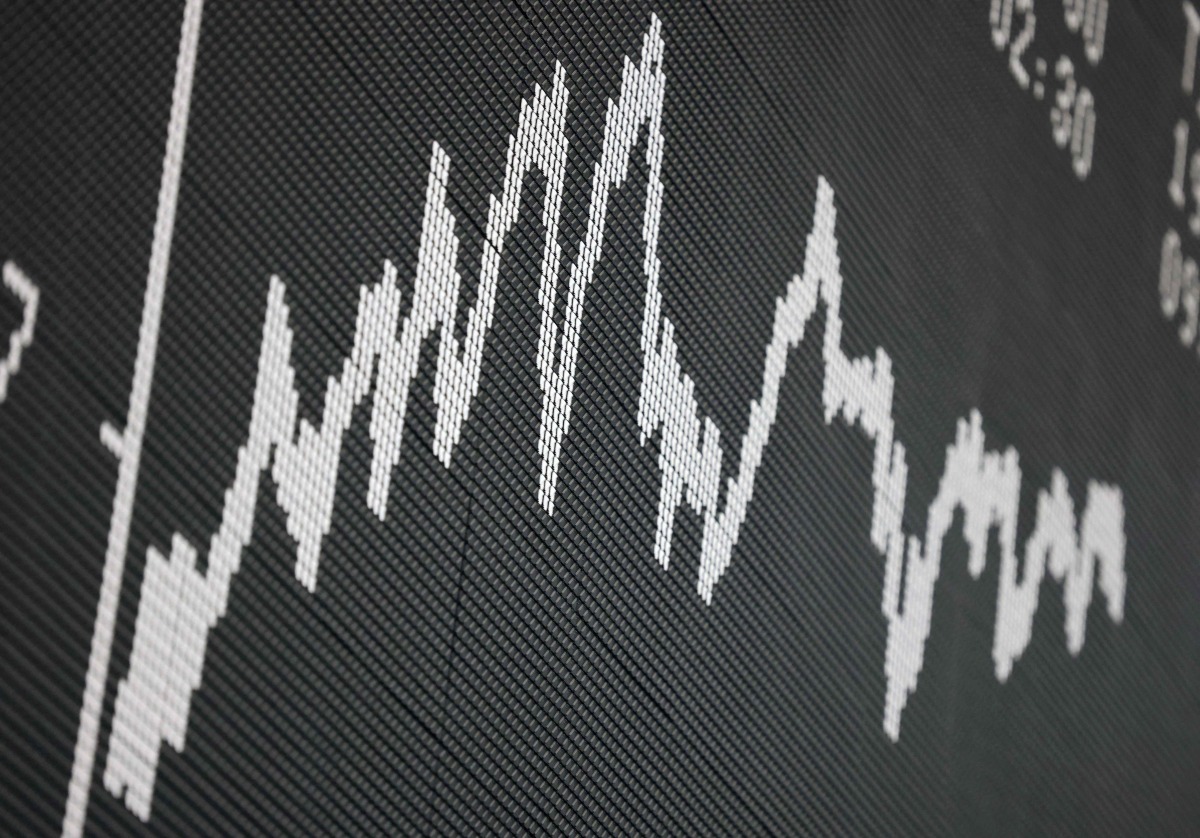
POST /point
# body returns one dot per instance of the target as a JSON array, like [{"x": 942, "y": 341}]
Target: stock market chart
[{"x": 710, "y": 417}]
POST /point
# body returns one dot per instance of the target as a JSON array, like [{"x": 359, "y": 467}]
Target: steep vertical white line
[{"x": 135, "y": 424}]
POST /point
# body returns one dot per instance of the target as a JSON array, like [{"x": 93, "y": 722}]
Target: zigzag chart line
[{"x": 179, "y": 605}]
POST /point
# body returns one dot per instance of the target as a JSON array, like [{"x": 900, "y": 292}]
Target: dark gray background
[{"x": 474, "y": 664}]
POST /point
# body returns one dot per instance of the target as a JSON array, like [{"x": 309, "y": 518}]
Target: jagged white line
[
  {"x": 179, "y": 606},
  {"x": 135, "y": 424},
  {"x": 308, "y": 472},
  {"x": 985, "y": 485},
  {"x": 23, "y": 289},
  {"x": 860, "y": 389}
]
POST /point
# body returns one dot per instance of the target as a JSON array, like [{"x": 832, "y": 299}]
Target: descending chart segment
[
  {"x": 985, "y": 485},
  {"x": 180, "y": 605}
]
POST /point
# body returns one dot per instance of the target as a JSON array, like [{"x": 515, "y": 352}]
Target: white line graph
[
  {"x": 985, "y": 485},
  {"x": 180, "y": 605}
]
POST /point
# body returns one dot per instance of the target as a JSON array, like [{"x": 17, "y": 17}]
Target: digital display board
[{"x": 680, "y": 418}]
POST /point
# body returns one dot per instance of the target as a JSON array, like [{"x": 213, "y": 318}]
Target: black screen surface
[{"x": 678, "y": 418}]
